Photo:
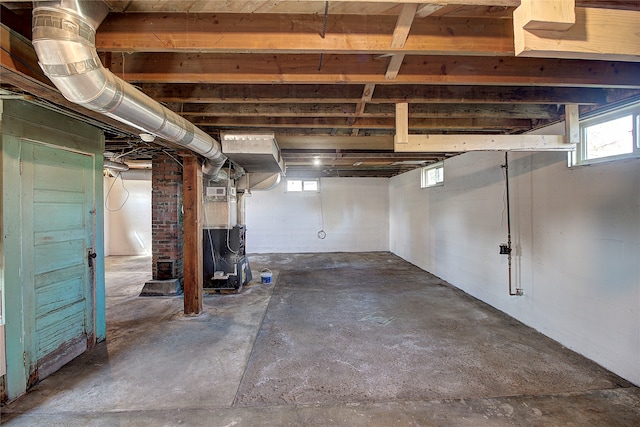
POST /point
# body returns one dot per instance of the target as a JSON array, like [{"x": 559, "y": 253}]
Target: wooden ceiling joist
[
  {"x": 290, "y": 34},
  {"x": 387, "y": 93},
  {"x": 518, "y": 111},
  {"x": 301, "y": 69},
  {"x": 373, "y": 7},
  {"x": 447, "y": 124}
]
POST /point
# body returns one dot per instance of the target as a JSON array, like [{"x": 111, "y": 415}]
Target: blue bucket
[{"x": 265, "y": 275}]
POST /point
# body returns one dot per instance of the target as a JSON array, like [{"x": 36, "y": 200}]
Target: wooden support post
[
  {"x": 402, "y": 123},
  {"x": 571, "y": 124},
  {"x": 192, "y": 228}
]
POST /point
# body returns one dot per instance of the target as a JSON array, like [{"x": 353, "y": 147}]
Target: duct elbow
[
  {"x": 64, "y": 40},
  {"x": 211, "y": 167}
]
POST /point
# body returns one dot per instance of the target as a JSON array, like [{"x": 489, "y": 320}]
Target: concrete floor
[{"x": 337, "y": 339}]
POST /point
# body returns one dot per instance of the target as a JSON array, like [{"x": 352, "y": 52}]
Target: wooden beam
[
  {"x": 571, "y": 124},
  {"x": 362, "y": 69},
  {"x": 403, "y": 25},
  {"x": 193, "y": 263},
  {"x": 296, "y": 34},
  {"x": 270, "y": 110},
  {"x": 598, "y": 34},
  {"x": 326, "y": 142},
  {"x": 17, "y": 54},
  {"x": 436, "y": 94},
  {"x": 394, "y": 66},
  {"x": 463, "y": 143},
  {"x": 628, "y": 4},
  {"x": 515, "y": 111},
  {"x": 433, "y": 111},
  {"x": 388, "y": 93},
  {"x": 558, "y": 15},
  {"x": 402, "y": 123},
  {"x": 462, "y": 2},
  {"x": 497, "y": 124}
]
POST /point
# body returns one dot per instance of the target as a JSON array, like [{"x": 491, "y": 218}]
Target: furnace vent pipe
[{"x": 64, "y": 40}]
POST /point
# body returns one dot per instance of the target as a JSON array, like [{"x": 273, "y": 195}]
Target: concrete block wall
[
  {"x": 576, "y": 240},
  {"x": 166, "y": 213}
]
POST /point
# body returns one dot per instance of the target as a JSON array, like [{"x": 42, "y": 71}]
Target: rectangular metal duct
[{"x": 256, "y": 153}]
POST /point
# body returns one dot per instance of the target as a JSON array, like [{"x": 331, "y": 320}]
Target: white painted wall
[
  {"x": 355, "y": 218},
  {"x": 128, "y": 214},
  {"x": 576, "y": 239},
  {"x": 107, "y": 223}
]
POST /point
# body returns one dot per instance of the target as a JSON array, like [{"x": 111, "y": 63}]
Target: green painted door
[{"x": 57, "y": 201}]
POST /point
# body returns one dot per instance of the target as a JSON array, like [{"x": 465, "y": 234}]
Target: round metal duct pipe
[{"x": 64, "y": 40}]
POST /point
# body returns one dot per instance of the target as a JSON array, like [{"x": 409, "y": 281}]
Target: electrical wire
[
  {"x": 118, "y": 175},
  {"x": 126, "y": 153},
  {"x": 169, "y": 154},
  {"x": 321, "y": 234}
]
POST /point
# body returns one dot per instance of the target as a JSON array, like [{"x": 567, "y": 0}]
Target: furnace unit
[
  {"x": 225, "y": 263},
  {"x": 226, "y": 266}
]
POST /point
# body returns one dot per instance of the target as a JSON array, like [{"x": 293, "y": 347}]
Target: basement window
[
  {"x": 432, "y": 175},
  {"x": 302, "y": 185},
  {"x": 610, "y": 136}
]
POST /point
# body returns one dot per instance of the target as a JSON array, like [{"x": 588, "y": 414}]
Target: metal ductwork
[
  {"x": 64, "y": 40},
  {"x": 259, "y": 181}
]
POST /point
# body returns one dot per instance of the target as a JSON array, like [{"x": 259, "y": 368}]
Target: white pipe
[{"x": 64, "y": 40}]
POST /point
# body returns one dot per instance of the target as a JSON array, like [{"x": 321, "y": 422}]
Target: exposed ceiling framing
[{"x": 328, "y": 85}]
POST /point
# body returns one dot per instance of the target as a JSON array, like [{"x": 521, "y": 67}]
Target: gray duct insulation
[{"x": 64, "y": 40}]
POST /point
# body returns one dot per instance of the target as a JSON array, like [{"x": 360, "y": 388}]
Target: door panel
[{"x": 57, "y": 200}]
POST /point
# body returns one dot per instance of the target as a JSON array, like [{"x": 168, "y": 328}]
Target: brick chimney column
[{"x": 166, "y": 218}]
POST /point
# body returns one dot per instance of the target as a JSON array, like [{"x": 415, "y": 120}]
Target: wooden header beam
[
  {"x": 405, "y": 143},
  {"x": 463, "y": 143},
  {"x": 556, "y": 15},
  {"x": 600, "y": 34}
]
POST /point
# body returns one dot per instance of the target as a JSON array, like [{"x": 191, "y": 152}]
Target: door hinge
[
  {"x": 24, "y": 358},
  {"x": 21, "y": 166}
]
